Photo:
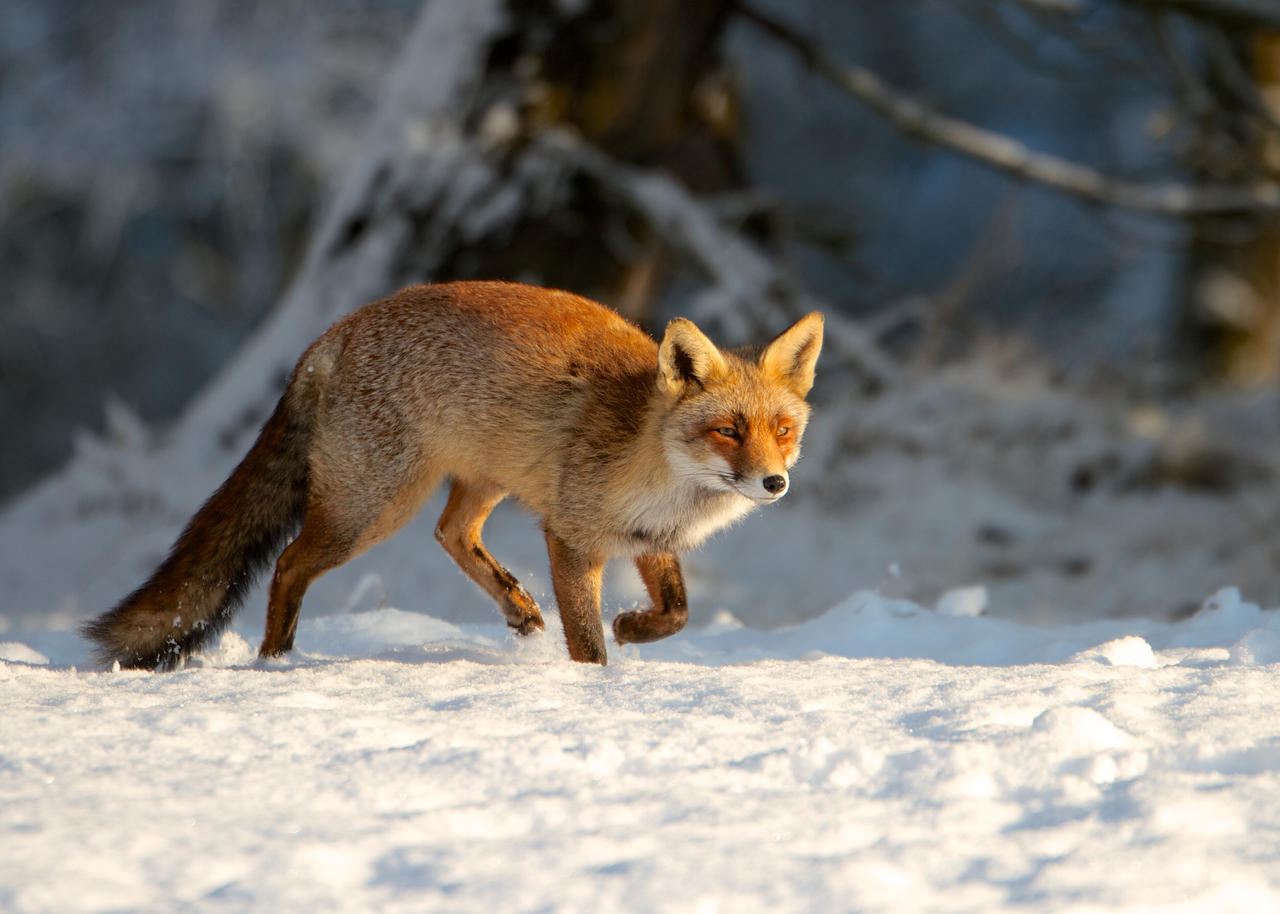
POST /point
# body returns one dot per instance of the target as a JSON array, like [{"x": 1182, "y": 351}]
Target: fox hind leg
[
  {"x": 458, "y": 531},
  {"x": 318, "y": 548},
  {"x": 340, "y": 523}
]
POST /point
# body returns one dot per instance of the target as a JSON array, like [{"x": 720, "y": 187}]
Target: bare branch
[
  {"x": 919, "y": 119},
  {"x": 1240, "y": 13},
  {"x": 1198, "y": 99},
  {"x": 1053, "y": 7},
  {"x": 1231, "y": 70}
]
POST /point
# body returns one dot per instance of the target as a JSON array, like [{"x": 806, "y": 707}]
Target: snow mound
[
  {"x": 13, "y": 652},
  {"x": 963, "y": 601},
  {"x": 1083, "y": 728},
  {"x": 1127, "y": 651}
]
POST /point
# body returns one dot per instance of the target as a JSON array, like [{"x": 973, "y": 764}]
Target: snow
[{"x": 881, "y": 757}]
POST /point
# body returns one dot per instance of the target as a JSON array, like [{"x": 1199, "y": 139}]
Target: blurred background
[{"x": 1046, "y": 234}]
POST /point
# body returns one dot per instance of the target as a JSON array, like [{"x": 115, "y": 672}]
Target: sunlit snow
[{"x": 881, "y": 757}]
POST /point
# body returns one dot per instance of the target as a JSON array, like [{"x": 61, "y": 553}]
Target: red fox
[{"x": 624, "y": 447}]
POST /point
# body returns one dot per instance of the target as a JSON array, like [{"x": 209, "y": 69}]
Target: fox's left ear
[{"x": 793, "y": 354}]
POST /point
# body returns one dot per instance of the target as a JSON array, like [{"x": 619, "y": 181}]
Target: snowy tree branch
[{"x": 919, "y": 119}]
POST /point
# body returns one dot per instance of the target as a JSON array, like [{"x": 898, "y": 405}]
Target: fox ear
[
  {"x": 686, "y": 355},
  {"x": 793, "y": 354}
]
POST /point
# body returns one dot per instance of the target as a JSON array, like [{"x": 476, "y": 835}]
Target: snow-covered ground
[{"x": 881, "y": 757}]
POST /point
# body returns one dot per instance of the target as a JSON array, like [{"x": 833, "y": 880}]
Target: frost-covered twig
[
  {"x": 919, "y": 119},
  {"x": 744, "y": 279}
]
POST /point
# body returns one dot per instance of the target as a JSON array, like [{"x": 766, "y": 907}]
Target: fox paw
[
  {"x": 632, "y": 627},
  {"x": 528, "y": 625},
  {"x": 638, "y": 626}
]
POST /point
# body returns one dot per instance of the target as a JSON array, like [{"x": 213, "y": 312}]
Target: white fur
[{"x": 694, "y": 503}]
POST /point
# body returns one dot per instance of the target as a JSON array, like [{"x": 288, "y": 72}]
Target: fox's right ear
[{"x": 686, "y": 356}]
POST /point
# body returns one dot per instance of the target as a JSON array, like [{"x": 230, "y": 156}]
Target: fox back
[{"x": 621, "y": 445}]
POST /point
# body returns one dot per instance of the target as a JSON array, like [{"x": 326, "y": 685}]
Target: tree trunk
[{"x": 1232, "y": 324}]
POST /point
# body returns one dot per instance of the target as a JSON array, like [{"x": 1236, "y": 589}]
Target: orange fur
[{"x": 622, "y": 446}]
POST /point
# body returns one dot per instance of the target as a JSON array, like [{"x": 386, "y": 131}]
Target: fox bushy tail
[{"x": 196, "y": 590}]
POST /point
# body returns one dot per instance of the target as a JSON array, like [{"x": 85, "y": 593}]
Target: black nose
[{"x": 774, "y": 484}]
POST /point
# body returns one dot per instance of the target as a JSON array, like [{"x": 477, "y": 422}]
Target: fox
[{"x": 623, "y": 446}]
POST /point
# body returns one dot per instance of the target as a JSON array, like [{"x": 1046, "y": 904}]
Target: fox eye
[
  {"x": 784, "y": 430},
  {"x": 728, "y": 431}
]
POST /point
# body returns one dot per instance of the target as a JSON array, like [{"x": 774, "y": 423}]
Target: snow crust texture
[{"x": 882, "y": 757}]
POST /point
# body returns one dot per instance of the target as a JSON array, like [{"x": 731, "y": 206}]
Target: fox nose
[{"x": 775, "y": 485}]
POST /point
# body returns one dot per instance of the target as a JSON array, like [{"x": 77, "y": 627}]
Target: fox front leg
[
  {"x": 459, "y": 533},
  {"x": 670, "y": 610},
  {"x": 576, "y": 579}
]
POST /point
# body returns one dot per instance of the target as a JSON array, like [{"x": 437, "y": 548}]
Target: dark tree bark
[{"x": 1231, "y": 305}]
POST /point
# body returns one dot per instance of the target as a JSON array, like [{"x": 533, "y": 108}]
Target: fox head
[{"x": 736, "y": 417}]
